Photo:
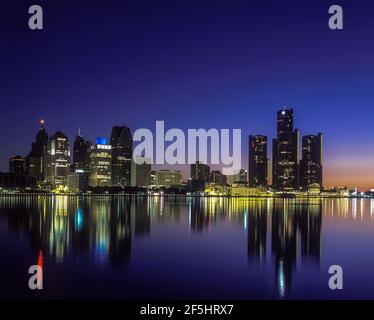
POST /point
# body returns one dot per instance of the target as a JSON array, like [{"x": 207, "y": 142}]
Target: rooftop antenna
[{"x": 79, "y": 132}]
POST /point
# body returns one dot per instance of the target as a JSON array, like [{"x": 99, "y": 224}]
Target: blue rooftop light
[{"x": 101, "y": 140}]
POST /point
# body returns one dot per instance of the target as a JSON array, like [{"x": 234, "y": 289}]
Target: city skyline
[{"x": 207, "y": 62}]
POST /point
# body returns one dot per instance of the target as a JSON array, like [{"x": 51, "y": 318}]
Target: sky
[{"x": 194, "y": 64}]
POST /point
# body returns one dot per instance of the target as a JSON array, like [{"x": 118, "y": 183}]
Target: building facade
[
  {"x": 218, "y": 178},
  {"x": 100, "y": 167},
  {"x": 56, "y": 160},
  {"x": 17, "y": 165},
  {"x": 311, "y": 164},
  {"x": 258, "y": 161},
  {"x": 80, "y": 154},
  {"x": 200, "y": 171},
  {"x": 286, "y": 152},
  {"x": 77, "y": 181},
  {"x": 141, "y": 173},
  {"x": 168, "y": 178},
  {"x": 34, "y": 160},
  {"x": 121, "y": 143}
]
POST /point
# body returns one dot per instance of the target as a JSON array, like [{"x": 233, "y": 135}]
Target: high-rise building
[
  {"x": 141, "y": 173},
  {"x": 258, "y": 161},
  {"x": 80, "y": 154},
  {"x": 311, "y": 163},
  {"x": 34, "y": 160},
  {"x": 286, "y": 152},
  {"x": 218, "y": 178},
  {"x": 168, "y": 178},
  {"x": 100, "y": 167},
  {"x": 17, "y": 165},
  {"x": 56, "y": 160},
  {"x": 200, "y": 171},
  {"x": 121, "y": 142}
]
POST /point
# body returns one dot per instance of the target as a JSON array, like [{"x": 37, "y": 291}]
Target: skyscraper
[
  {"x": 34, "y": 160},
  {"x": 286, "y": 152},
  {"x": 79, "y": 153},
  {"x": 17, "y": 165},
  {"x": 56, "y": 160},
  {"x": 257, "y": 166},
  {"x": 200, "y": 171},
  {"x": 311, "y": 163},
  {"x": 121, "y": 142},
  {"x": 100, "y": 164}
]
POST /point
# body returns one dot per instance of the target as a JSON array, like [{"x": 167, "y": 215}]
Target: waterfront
[{"x": 178, "y": 247}]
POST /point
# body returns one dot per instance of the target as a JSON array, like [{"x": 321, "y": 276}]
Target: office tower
[
  {"x": 79, "y": 154},
  {"x": 34, "y": 160},
  {"x": 311, "y": 163},
  {"x": 100, "y": 167},
  {"x": 17, "y": 165},
  {"x": 56, "y": 160},
  {"x": 200, "y": 171},
  {"x": 218, "y": 178},
  {"x": 141, "y": 173},
  {"x": 286, "y": 152},
  {"x": 121, "y": 142},
  {"x": 168, "y": 178},
  {"x": 258, "y": 161}
]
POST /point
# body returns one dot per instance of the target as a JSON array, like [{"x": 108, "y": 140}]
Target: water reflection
[{"x": 282, "y": 233}]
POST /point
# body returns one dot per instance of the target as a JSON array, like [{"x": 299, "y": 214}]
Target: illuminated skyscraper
[
  {"x": 286, "y": 152},
  {"x": 257, "y": 166},
  {"x": 121, "y": 142},
  {"x": 311, "y": 163},
  {"x": 100, "y": 164},
  {"x": 34, "y": 160},
  {"x": 56, "y": 160}
]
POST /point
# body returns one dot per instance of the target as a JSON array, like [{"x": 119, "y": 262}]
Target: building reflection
[
  {"x": 291, "y": 221},
  {"x": 280, "y": 233},
  {"x": 257, "y": 230},
  {"x": 310, "y": 226},
  {"x": 61, "y": 225},
  {"x": 284, "y": 243}
]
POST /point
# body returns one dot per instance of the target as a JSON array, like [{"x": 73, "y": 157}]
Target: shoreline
[{"x": 278, "y": 196}]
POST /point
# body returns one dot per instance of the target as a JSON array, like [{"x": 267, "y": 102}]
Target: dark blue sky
[{"x": 209, "y": 64}]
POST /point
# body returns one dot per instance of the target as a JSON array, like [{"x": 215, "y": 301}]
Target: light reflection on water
[{"x": 287, "y": 245}]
